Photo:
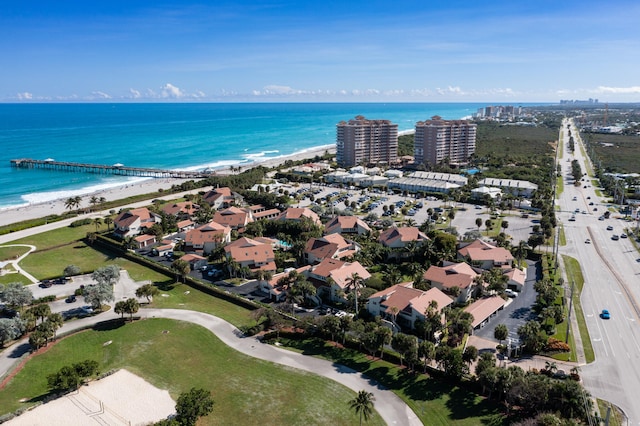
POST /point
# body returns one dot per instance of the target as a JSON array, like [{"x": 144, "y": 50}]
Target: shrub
[
  {"x": 555, "y": 345},
  {"x": 80, "y": 222}
]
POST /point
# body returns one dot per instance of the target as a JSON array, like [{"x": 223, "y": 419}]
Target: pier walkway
[{"x": 116, "y": 169}]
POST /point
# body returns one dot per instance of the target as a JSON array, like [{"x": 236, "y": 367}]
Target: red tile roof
[
  {"x": 482, "y": 309},
  {"x": 459, "y": 275},
  {"x": 401, "y": 236},
  {"x": 482, "y": 251}
]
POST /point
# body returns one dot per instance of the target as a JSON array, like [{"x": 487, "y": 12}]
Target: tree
[
  {"x": 71, "y": 270},
  {"x": 108, "y": 221},
  {"x": 330, "y": 325},
  {"x": 192, "y": 405},
  {"x": 479, "y": 222},
  {"x": 97, "y": 222},
  {"x": 470, "y": 354},
  {"x": 426, "y": 351},
  {"x": 404, "y": 344},
  {"x": 181, "y": 268},
  {"x": 119, "y": 308},
  {"x": 41, "y": 311},
  {"x": 501, "y": 332},
  {"x": 97, "y": 294},
  {"x": 15, "y": 295},
  {"x": 362, "y": 404},
  {"x": 11, "y": 329},
  {"x": 147, "y": 290},
  {"x": 354, "y": 282},
  {"x": 109, "y": 274},
  {"x": 532, "y": 336},
  {"x": 131, "y": 306}
]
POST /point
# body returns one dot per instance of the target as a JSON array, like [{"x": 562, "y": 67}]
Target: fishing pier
[{"x": 116, "y": 169}]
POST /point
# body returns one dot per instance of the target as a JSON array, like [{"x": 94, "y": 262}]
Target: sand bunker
[{"x": 119, "y": 399}]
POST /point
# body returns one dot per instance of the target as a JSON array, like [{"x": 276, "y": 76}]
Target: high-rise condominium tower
[
  {"x": 437, "y": 140},
  {"x": 362, "y": 141}
]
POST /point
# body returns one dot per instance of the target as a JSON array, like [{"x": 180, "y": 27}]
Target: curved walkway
[
  {"x": 390, "y": 407},
  {"x": 16, "y": 262}
]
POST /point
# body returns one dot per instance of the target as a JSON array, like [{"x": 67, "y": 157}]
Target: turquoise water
[{"x": 172, "y": 136}]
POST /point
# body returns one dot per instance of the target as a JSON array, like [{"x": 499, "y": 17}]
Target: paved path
[
  {"x": 390, "y": 407},
  {"x": 16, "y": 262}
]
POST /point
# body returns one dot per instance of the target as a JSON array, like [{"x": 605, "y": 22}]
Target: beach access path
[{"x": 391, "y": 408}]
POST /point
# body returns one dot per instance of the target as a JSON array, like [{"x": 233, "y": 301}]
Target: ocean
[{"x": 181, "y": 136}]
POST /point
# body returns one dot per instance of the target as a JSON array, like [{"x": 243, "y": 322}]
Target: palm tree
[
  {"x": 354, "y": 282},
  {"x": 108, "y": 221},
  {"x": 97, "y": 222},
  {"x": 363, "y": 405}
]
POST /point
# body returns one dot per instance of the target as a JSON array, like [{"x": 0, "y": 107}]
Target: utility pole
[{"x": 566, "y": 339}]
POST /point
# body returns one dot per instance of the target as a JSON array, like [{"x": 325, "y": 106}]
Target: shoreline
[{"x": 9, "y": 215}]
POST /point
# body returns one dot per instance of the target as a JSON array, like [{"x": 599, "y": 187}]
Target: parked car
[
  {"x": 623, "y": 235},
  {"x": 615, "y": 237},
  {"x": 587, "y": 241},
  {"x": 510, "y": 293},
  {"x": 70, "y": 299},
  {"x": 45, "y": 284},
  {"x": 605, "y": 314},
  {"x": 609, "y": 228}
]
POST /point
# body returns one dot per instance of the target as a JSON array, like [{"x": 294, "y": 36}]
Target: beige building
[
  {"x": 362, "y": 141},
  {"x": 436, "y": 140}
]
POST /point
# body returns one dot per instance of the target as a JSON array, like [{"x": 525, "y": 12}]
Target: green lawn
[
  {"x": 177, "y": 356},
  {"x": 11, "y": 253},
  {"x": 436, "y": 402},
  {"x": 14, "y": 278},
  {"x": 574, "y": 274}
]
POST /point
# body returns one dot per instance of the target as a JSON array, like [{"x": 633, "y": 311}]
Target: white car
[{"x": 510, "y": 293}]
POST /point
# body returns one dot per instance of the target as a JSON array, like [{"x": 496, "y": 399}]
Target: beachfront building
[
  {"x": 234, "y": 217},
  {"x": 361, "y": 141},
  {"x": 181, "y": 210},
  {"x": 219, "y": 198},
  {"x": 133, "y": 222},
  {"x": 437, "y": 141}
]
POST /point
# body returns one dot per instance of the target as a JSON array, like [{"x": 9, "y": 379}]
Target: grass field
[
  {"x": 436, "y": 402},
  {"x": 574, "y": 274},
  {"x": 177, "y": 356},
  {"x": 10, "y": 253}
]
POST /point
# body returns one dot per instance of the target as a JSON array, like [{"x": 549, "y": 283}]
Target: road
[
  {"x": 611, "y": 282},
  {"x": 390, "y": 407}
]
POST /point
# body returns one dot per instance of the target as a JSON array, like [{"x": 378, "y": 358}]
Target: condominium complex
[
  {"x": 362, "y": 141},
  {"x": 437, "y": 140}
]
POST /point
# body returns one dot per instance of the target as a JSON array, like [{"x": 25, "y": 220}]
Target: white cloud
[
  {"x": 171, "y": 91},
  {"x": 25, "y": 96},
  {"x": 278, "y": 90},
  {"x": 619, "y": 90},
  {"x": 451, "y": 90},
  {"x": 135, "y": 94},
  {"x": 100, "y": 95}
]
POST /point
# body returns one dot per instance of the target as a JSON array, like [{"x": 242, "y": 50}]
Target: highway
[{"x": 610, "y": 269}]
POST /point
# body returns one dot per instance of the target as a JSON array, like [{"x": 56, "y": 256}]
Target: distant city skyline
[{"x": 356, "y": 51}]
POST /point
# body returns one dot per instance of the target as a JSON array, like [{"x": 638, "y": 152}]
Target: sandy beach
[{"x": 33, "y": 211}]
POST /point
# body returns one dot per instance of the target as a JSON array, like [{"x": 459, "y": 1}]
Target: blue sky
[{"x": 342, "y": 51}]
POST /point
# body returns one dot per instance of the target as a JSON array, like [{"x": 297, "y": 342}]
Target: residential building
[
  {"x": 252, "y": 254},
  {"x": 403, "y": 305},
  {"x": 399, "y": 238},
  {"x": 331, "y": 277},
  {"x": 438, "y": 140},
  {"x": 133, "y": 222},
  {"x": 483, "y": 309},
  {"x": 145, "y": 240},
  {"x": 486, "y": 256},
  {"x": 347, "y": 225},
  {"x": 297, "y": 214},
  {"x": 331, "y": 246},
  {"x": 274, "y": 287},
  {"x": 428, "y": 182},
  {"x": 219, "y": 198},
  {"x": 207, "y": 238},
  {"x": 195, "y": 261},
  {"x": 517, "y": 188},
  {"x": 516, "y": 279},
  {"x": 362, "y": 141},
  {"x": 456, "y": 279},
  {"x": 182, "y": 210},
  {"x": 233, "y": 217}
]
